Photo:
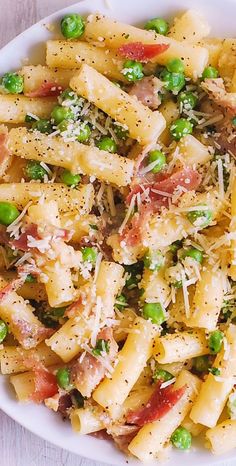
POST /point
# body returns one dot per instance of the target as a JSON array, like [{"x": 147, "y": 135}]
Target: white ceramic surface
[{"x": 29, "y": 45}]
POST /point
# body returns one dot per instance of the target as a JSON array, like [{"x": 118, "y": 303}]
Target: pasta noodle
[
  {"x": 110, "y": 98},
  {"x": 117, "y": 232},
  {"x": 71, "y": 55},
  {"x": 194, "y": 58}
]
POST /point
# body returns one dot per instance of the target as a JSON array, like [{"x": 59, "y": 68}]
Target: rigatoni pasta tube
[
  {"x": 232, "y": 228},
  {"x": 77, "y": 157},
  {"x": 174, "y": 225},
  {"x": 75, "y": 200},
  {"x": 88, "y": 420},
  {"x": 28, "y": 290},
  {"x": 23, "y": 323},
  {"x": 109, "y": 282},
  {"x": 143, "y": 124},
  {"x": 152, "y": 437},
  {"x": 190, "y": 27},
  {"x": 14, "y": 108},
  {"x": 67, "y": 341},
  {"x": 111, "y": 393},
  {"x": 58, "y": 284},
  {"x": 216, "y": 389},
  {"x": 222, "y": 438},
  {"x": 12, "y": 358},
  {"x": 24, "y": 385},
  {"x": 115, "y": 34},
  {"x": 180, "y": 346},
  {"x": 125, "y": 323},
  {"x": 80, "y": 225},
  {"x": 37, "y": 76},
  {"x": 156, "y": 288},
  {"x": 227, "y": 58},
  {"x": 193, "y": 152},
  {"x": 208, "y": 298},
  {"x": 71, "y": 55}
]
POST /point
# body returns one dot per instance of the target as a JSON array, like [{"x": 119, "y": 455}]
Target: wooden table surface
[{"x": 18, "y": 446}]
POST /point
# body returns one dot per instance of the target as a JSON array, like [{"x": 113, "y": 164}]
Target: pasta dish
[{"x": 118, "y": 232}]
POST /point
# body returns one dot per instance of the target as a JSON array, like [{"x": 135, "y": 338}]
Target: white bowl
[{"x": 29, "y": 44}]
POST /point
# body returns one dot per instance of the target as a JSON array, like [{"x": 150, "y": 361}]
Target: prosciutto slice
[
  {"x": 142, "y": 52},
  {"x": 160, "y": 403}
]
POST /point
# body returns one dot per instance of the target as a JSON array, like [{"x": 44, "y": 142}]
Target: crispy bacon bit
[
  {"x": 215, "y": 88},
  {"x": 47, "y": 89},
  {"x": 147, "y": 90},
  {"x": 142, "y": 52},
  {"x": 28, "y": 333},
  {"x": 45, "y": 385},
  {"x": 160, "y": 403},
  {"x": 87, "y": 374}
]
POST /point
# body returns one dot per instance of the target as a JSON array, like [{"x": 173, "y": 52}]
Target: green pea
[
  {"x": 172, "y": 81},
  {"x": 201, "y": 364},
  {"x": 215, "y": 341},
  {"x": 89, "y": 255},
  {"x": 68, "y": 95},
  {"x": 194, "y": 253},
  {"x": 233, "y": 121},
  {"x": 214, "y": 371},
  {"x": 121, "y": 302},
  {"x": 210, "y": 72},
  {"x": 30, "y": 278},
  {"x": 154, "y": 312},
  {"x": 44, "y": 126},
  {"x": 29, "y": 119},
  {"x": 132, "y": 70},
  {"x": 187, "y": 100},
  {"x": 84, "y": 133},
  {"x": 200, "y": 218},
  {"x": 107, "y": 144},
  {"x": 13, "y": 83},
  {"x": 159, "y": 25},
  {"x": 65, "y": 125},
  {"x": 60, "y": 113},
  {"x": 72, "y": 26},
  {"x": 8, "y": 213},
  {"x": 3, "y": 330},
  {"x": 69, "y": 179},
  {"x": 153, "y": 259},
  {"x": 175, "y": 65},
  {"x": 174, "y": 247},
  {"x": 158, "y": 157},
  {"x": 181, "y": 438},
  {"x": 34, "y": 171},
  {"x": 101, "y": 346},
  {"x": 121, "y": 132},
  {"x": 63, "y": 378},
  {"x": 161, "y": 374},
  {"x": 180, "y": 128}
]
